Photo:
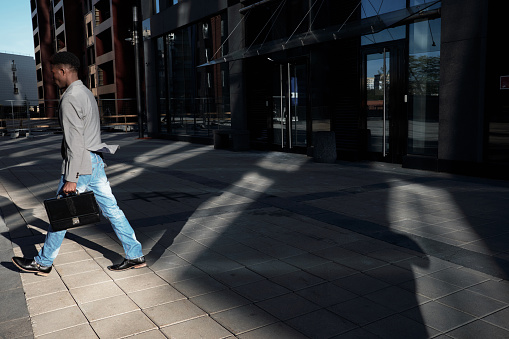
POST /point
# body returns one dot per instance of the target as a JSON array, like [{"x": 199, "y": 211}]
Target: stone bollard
[{"x": 325, "y": 147}]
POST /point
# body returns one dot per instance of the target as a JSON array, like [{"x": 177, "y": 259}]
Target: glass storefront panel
[
  {"x": 423, "y": 86},
  {"x": 198, "y": 97},
  {"x": 375, "y": 7},
  {"x": 161, "y": 83},
  {"x": 389, "y": 34}
]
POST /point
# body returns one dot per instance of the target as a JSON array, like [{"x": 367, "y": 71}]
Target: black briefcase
[{"x": 72, "y": 210}]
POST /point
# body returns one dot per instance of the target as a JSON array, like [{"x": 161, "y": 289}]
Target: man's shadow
[{"x": 26, "y": 234}]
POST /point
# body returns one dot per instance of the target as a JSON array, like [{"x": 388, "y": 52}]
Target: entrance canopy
[{"x": 365, "y": 26}]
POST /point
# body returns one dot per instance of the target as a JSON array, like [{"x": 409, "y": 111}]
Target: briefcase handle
[{"x": 68, "y": 195}]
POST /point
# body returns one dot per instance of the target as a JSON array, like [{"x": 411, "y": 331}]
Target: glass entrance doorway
[
  {"x": 289, "y": 106},
  {"x": 383, "y": 102}
]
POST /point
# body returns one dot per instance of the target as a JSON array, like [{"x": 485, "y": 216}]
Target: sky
[{"x": 16, "y": 34}]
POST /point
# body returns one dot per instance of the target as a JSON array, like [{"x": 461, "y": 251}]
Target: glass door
[
  {"x": 383, "y": 103},
  {"x": 289, "y": 111}
]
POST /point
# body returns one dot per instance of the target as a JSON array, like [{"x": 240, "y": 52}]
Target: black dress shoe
[
  {"x": 30, "y": 265},
  {"x": 128, "y": 264}
]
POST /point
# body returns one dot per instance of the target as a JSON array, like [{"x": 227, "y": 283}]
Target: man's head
[{"x": 64, "y": 66}]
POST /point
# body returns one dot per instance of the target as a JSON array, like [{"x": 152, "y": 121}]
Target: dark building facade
[
  {"x": 413, "y": 82},
  {"x": 95, "y": 31}
]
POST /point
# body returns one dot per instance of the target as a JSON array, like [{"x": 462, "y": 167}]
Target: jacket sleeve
[{"x": 73, "y": 126}]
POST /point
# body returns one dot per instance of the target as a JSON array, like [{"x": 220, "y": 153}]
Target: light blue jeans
[{"x": 99, "y": 184}]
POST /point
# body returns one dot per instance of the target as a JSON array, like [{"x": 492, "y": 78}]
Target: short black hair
[{"x": 66, "y": 58}]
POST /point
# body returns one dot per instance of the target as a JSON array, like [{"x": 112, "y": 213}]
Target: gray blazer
[{"x": 80, "y": 121}]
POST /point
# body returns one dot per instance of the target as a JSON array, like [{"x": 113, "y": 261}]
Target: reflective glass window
[
  {"x": 376, "y": 7},
  {"x": 423, "y": 87}
]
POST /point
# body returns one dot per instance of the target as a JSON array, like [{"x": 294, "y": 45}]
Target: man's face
[{"x": 59, "y": 75}]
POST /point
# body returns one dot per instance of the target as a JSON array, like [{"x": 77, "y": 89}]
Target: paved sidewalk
[{"x": 257, "y": 245}]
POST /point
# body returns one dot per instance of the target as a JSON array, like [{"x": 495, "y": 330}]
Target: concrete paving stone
[
  {"x": 140, "y": 282},
  {"x": 17, "y": 309},
  {"x": 276, "y": 330},
  {"x": 203, "y": 327},
  {"x": 198, "y": 286},
  {"x": 54, "y": 321},
  {"x": 272, "y": 268},
  {"x": 201, "y": 233},
  {"x": 167, "y": 262},
  {"x": 219, "y": 301},
  {"x": 244, "y": 319},
  {"x": 399, "y": 327},
  {"x": 361, "y": 262},
  {"x": 76, "y": 268},
  {"x": 225, "y": 247},
  {"x": 114, "y": 275},
  {"x": 187, "y": 247},
  {"x": 361, "y": 311},
  {"x": 152, "y": 334},
  {"x": 297, "y": 280},
  {"x": 330, "y": 271},
  {"x": 47, "y": 286},
  {"x": 472, "y": 303},
  {"x": 261, "y": 290},
  {"x": 430, "y": 287},
  {"x": 360, "y": 333},
  {"x": 180, "y": 273},
  {"x": 461, "y": 276},
  {"x": 308, "y": 243},
  {"x": 306, "y": 260},
  {"x": 366, "y": 246},
  {"x": 499, "y": 318},
  {"x": 214, "y": 267},
  {"x": 478, "y": 329},
  {"x": 249, "y": 257},
  {"x": 17, "y": 328},
  {"x": 95, "y": 292},
  {"x": 123, "y": 325},
  {"x": 391, "y": 274},
  {"x": 396, "y": 298},
  {"x": 326, "y": 294},
  {"x": 425, "y": 265},
  {"x": 85, "y": 279},
  {"x": 50, "y": 302},
  {"x": 321, "y": 324},
  {"x": 174, "y": 312},
  {"x": 28, "y": 251},
  {"x": 281, "y": 251},
  {"x": 72, "y": 257},
  {"x": 438, "y": 316},
  {"x": 238, "y": 277},
  {"x": 9, "y": 276},
  {"x": 391, "y": 255},
  {"x": 156, "y": 296},
  {"x": 102, "y": 245},
  {"x": 89, "y": 232},
  {"x": 70, "y": 246},
  {"x": 98, "y": 252},
  {"x": 109, "y": 307},
  {"x": 279, "y": 306},
  {"x": 83, "y": 331},
  {"x": 336, "y": 254}
]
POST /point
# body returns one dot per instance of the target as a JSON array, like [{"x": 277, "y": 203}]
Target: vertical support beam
[
  {"x": 240, "y": 135},
  {"x": 136, "y": 42}
]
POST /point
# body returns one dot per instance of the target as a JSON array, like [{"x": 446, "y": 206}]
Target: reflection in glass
[
  {"x": 289, "y": 112},
  {"x": 198, "y": 97},
  {"x": 376, "y": 7},
  {"x": 389, "y": 34},
  {"x": 423, "y": 87},
  {"x": 377, "y": 88}
]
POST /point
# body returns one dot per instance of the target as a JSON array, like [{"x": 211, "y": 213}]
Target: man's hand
[{"x": 69, "y": 187}]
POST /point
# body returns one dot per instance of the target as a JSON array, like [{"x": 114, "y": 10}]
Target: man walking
[{"x": 82, "y": 168}]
